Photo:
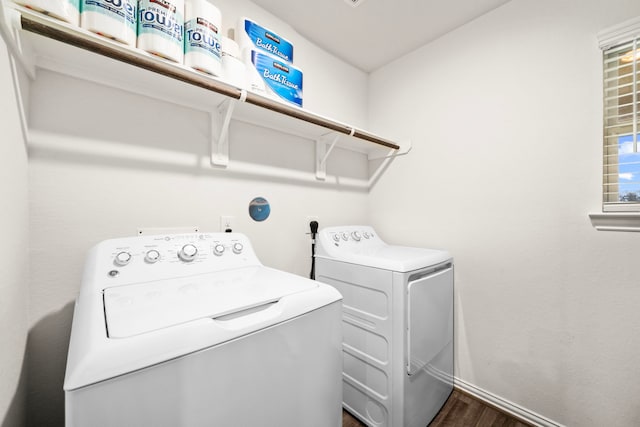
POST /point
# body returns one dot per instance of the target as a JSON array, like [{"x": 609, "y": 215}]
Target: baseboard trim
[{"x": 504, "y": 405}]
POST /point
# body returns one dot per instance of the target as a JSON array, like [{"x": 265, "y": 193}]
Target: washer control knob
[
  {"x": 237, "y": 248},
  {"x": 345, "y": 236},
  {"x": 218, "y": 249},
  {"x": 356, "y": 236},
  {"x": 152, "y": 256},
  {"x": 336, "y": 237},
  {"x": 122, "y": 258},
  {"x": 366, "y": 234},
  {"x": 188, "y": 253}
]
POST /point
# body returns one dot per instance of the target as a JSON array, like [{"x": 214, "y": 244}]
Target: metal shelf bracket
[
  {"x": 220, "y": 120},
  {"x": 9, "y": 31},
  {"x": 405, "y": 147},
  {"x": 324, "y": 147}
]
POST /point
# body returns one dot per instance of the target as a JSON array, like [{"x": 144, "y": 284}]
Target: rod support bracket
[
  {"x": 10, "y": 27},
  {"x": 220, "y": 121},
  {"x": 324, "y": 146},
  {"x": 405, "y": 147}
]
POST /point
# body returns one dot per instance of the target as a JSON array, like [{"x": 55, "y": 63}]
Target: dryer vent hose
[{"x": 313, "y": 225}]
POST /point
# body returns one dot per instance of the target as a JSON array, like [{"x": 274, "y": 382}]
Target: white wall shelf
[{"x": 37, "y": 41}]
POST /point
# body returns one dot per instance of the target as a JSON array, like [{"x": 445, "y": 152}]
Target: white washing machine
[
  {"x": 397, "y": 325},
  {"x": 191, "y": 330}
]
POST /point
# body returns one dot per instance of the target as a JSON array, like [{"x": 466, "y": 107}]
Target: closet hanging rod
[{"x": 84, "y": 40}]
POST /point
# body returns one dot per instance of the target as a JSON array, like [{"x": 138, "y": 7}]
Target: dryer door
[{"x": 429, "y": 317}]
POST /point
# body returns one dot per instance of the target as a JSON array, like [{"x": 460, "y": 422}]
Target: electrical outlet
[
  {"x": 308, "y": 219},
  {"x": 227, "y": 223}
]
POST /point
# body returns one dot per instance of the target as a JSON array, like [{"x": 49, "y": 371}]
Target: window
[{"x": 621, "y": 154}]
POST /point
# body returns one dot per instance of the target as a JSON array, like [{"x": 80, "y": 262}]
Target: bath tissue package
[
  {"x": 65, "y": 10},
  {"x": 202, "y": 48},
  {"x": 253, "y": 36},
  {"x": 274, "y": 78},
  {"x": 115, "y": 19},
  {"x": 160, "y": 28},
  {"x": 233, "y": 69}
]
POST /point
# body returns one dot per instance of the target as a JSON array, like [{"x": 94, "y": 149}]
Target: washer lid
[{"x": 145, "y": 307}]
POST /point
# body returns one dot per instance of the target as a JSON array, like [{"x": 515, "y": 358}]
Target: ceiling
[{"x": 375, "y": 32}]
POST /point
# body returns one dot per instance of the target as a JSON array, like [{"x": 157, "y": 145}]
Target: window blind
[{"x": 621, "y": 154}]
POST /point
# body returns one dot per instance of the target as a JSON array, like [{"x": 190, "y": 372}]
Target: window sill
[{"x": 616, "y": 221}]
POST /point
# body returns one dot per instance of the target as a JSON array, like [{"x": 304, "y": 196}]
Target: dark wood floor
[{"x": 461, "y": 410}]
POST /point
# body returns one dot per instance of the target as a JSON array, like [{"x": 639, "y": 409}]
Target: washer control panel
[{"x": 144, "y": 258}]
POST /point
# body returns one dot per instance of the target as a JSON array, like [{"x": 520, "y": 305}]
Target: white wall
[
  {"x": 329, "y": 84},
  {"x": 505, "y": 167},
  {"x": 104, "y": 163},
  {"x": 14, "y": 285},
  {"x": 505, "y": 117}
]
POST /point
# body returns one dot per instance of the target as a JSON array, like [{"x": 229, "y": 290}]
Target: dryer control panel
[
  {"x": 360, "y": 244},
  {"x": 356, "y": 234},
  {"x": 143, "y": 258},
  {"x": 352, "y": 238},
  {"x": 362, "y": 234}
]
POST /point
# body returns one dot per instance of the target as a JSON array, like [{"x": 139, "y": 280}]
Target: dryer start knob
[{"x": 188, "y": 253}]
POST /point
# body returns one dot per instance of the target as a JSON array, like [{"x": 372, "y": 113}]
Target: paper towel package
[
  {"x": 269, "y": 76},
  {"x": 160, "y": 28},
  {"x": 202, "y": 47},
  {"x": 115, "y": 19},
  {"x": 65, "y": 10},
  {"x": 250, "y": 35}
]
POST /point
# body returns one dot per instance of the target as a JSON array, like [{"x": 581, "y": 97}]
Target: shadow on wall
[
  {"x": 47, "y": 347},
  {"x": 16, "y": 414},
  {"x": 72, "y": 120}
]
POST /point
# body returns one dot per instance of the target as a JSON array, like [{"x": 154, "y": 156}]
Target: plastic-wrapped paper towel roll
[
  {"x": 202, "y": 48},
  {"x": 250, "y": 35},
  {"x": 115, "y": 19},
  {"x": 66, "y": 10},
  {"x": 276, "y": 79},
  {"x": 233, "y": 69},
  {"x": 160, "y": 28}
]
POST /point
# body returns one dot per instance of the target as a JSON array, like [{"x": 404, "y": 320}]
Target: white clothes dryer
[
  {"x": 397, "y": 325},
  {"x": 192, "y": 330}
]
